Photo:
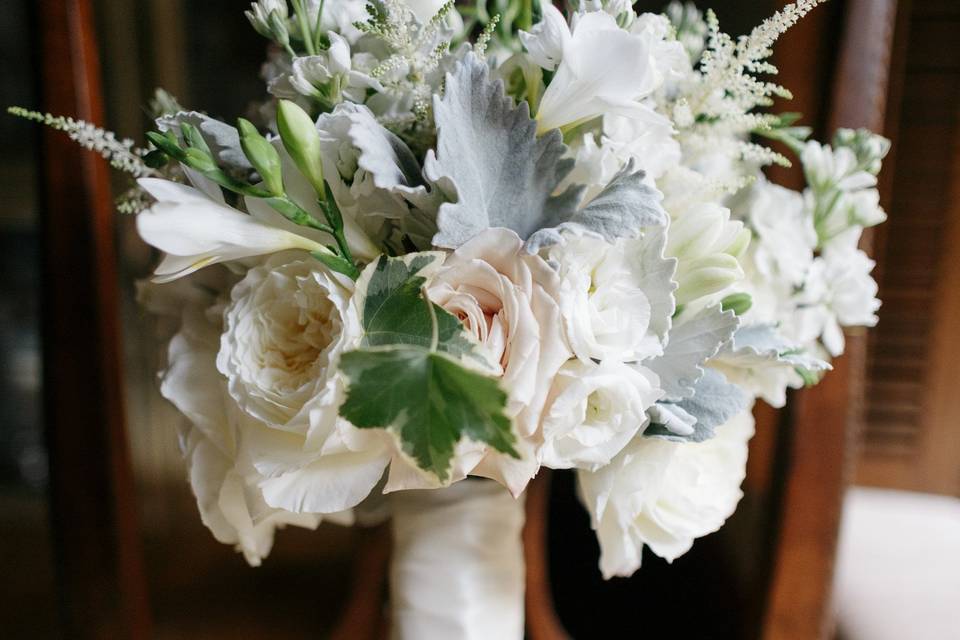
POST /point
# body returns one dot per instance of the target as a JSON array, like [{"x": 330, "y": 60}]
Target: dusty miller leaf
[
  {"x": 621, "y": 209},
  {"x": 490, "y": 161},
  {"x": 713, "y": 403},
  {"x": 223, "y": 139},
  {"x": 693, "y": 341},
  {"x": 762, "y": 345}
]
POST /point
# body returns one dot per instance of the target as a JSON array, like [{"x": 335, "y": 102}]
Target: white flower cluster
[{"x": 554, "y": 250}]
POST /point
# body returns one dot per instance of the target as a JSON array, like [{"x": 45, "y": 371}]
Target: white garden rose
[
  {"x": 665, "y": 494},
  {"x": 284, "y": 329},
  {"x": 286, "y": 325},
  {"x": 507, "y": 300},
  {"x": 594, "y": 410},
  {"x": 221, "y": 473}
]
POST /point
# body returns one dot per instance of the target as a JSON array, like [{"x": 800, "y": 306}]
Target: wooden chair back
[{"x": 97, "y": 547}]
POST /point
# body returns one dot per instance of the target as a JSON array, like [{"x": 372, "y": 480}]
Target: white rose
[
  {"x": 665, "y": 494},
  {"x": 285, "y": 327},
  {"x": 223, "y": 479},
  {"x": 614, "y": 305},
  {"x": 508, "y": 300},
  {"x": 594, "y": 411}
]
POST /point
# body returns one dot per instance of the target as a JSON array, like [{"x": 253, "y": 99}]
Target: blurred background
[{"x": 899, "y": 446}]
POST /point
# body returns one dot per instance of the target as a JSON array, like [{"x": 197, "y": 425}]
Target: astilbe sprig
[
  {"x": 122, "y": 154},
  {"x": 727, "y": 90}
]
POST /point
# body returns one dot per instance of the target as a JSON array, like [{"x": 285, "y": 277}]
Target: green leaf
[
  {"x": 395, "y": 313},
  {"x": 428, "y": 399}
]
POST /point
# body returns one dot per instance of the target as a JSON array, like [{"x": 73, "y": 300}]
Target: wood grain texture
[
  {"x": 826, "y": 418},
  {"x": 101, "y": 580}
]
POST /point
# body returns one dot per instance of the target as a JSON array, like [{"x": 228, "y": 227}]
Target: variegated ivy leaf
[
  {"x": 223, "y": 139},
  {"x": 489, "y": 160},
  {"x": 621, "y": 209},
  {"x": 394, "y": 312},
  {"x": 410, "y": 376},
  {"x": 693, "y": 340},
  {"x": 713, "y": 402}
]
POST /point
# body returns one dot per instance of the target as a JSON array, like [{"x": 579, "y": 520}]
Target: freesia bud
[
  {"x": 302, "y": 141},
  {"x": 262, "y": 155}
]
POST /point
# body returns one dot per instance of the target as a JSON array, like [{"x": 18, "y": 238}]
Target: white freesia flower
[
  {"x": 665, "y": 494},
  {"x": 838, "y": 292},
  {"x": 604, "y": 69},
  {"x": 507, "y": 299},
  {"x": 339, "y": 16},
  {"x": 332, "y": 76},
  {"x": 594, "y": 411},
  {"x": 222, "y": 476},
  {"x": 196, "y": 231},
  {"x": 614, "y": 305},
  {"x": 546, "y": 40}
]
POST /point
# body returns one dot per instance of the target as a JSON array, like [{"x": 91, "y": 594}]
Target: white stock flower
[
  {"x": 604, "y": 69},
  {"x": 594, "y": 411},
  {"x": 665, "y": 494},
  {"x": 825, "y": 166},
  {"x": 613, "y": 304},
  {"x": 221, "y": 474},
  {"x": 195, "y": 231},
  {"x": 332, "y": 76},
  {"x": 507, "y": 299},
  {"x": 838, "y": 292},
  {"x": 785, "y": 237}
]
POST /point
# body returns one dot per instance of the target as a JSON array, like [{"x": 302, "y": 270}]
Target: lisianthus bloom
[
  {"x": 784, "y": 235},
  {"x": 593, "y": 411},
  {"x": 665, "y": 494},
  {"x": 616, "y": 299}
]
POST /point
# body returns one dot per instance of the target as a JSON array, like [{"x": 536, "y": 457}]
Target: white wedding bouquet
[{"x": 479, "y": 240}]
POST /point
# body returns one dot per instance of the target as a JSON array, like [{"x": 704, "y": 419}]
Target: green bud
[
  {"x": 278, "y": 29},
  {"x": 168, "y": 144},
  {"x": 262, "y": 155},
  {"x": 193, "y": 137},
  {"x": 302, "y": 141},
  {"x": 200, "y": 160},
  {"x": 739, "y": 303}
]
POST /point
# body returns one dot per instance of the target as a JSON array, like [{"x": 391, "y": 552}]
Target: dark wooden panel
[{"x": 97, "y": 548}]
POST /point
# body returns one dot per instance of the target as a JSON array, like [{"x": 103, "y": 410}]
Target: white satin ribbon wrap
[{"x": 457, "y": 570}]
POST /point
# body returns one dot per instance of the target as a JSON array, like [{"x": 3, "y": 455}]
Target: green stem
[
  {"x": 317, "y": 30},
  {"x": 305, "y": 32},
  {"x": 525, "y": 21}
]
